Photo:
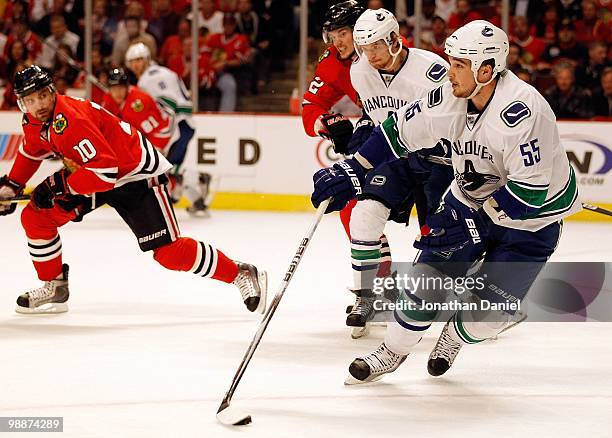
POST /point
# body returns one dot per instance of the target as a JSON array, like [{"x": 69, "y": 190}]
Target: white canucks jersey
[
  {"x": 382, "y": 93},
  {"x": 170, "y": 93},
  {"x": 511, "y": 148}
]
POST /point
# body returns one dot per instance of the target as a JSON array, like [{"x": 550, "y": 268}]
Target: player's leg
[
  {"x": 45, "y": 246},
  {"x": 387, "y": 194},
  {"x": 145, "y": 206},
  {"x": 511, "y": 252}
]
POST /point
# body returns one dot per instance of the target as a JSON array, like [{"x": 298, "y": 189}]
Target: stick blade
[{"x": 231, "y": 416}]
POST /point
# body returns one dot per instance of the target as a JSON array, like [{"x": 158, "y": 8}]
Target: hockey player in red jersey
[
  {"x": 111, "y": 163},
  {"x": 138, "y": 108}
]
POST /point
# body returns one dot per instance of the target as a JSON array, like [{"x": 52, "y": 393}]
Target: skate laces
[
  {"x": 42, "y": 293},
  {"x": 446, "y": 347},
  {"x": 245, "y": 283},
  {"x": 363, "y": 305},
  {"x": 382, "y": 359}
]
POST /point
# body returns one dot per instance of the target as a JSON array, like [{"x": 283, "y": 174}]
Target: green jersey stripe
[
  {"x": 530, "y": 196},
  {"x": 389, "y": 129}
]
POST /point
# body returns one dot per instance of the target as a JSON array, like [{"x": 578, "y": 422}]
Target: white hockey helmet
[
  {"x": 375, "y": 25},
  {"x": 479, "y": 41},
  {"x": 136, "y": 51}
]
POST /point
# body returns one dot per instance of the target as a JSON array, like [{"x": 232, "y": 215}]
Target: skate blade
[
  {"x": 45, "y": 309},
  {"x": 262, "y": 277},
  {"x": 351, "y": 381},
  {"x": 201, "y": 214},
  {"x": 360, "y": 332}
]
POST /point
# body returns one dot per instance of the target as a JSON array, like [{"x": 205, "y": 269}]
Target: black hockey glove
[
  {"x": 338, "y": 129},
  {"x": 451, "y": 229},
  {"x": 342, "y": 182},
  {"x": 53, "y": 186},
  {"x": 363, "y": 129},
  {"x": 8, "y": 189}
]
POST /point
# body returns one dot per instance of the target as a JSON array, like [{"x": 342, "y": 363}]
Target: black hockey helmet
[
  {"x": 31, "y": 79},
  {"x": 343, "y": 14},
  {"x": 117, "y": 76}
]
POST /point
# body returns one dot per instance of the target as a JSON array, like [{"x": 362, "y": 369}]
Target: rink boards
[{"x": 266, "y": 162}]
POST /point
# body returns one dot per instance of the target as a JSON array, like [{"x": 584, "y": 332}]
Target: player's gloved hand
[
  {"x": 363, "y": 129},
  {"x": 8, "y": 189},
  {"x": 342, "y": 182},
  {"x": 422, "y": 160},
  {"x": 53, "y": 186},
  {"x": 338, "y": 129},
  {"x": 451, "y": 229}
]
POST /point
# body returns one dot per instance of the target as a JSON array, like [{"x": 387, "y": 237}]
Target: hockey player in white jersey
[
  {"x": 171, "y": 95},
  {"x": 513, "y": 185},
  {"x": 387, "y": 76}
]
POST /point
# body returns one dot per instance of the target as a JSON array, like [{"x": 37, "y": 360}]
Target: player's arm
[
  {"x": 528, "y": 159},
  {"x": 155, "y": 123}
]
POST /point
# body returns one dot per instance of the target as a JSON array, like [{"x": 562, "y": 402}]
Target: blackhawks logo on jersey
[
  {"x": 324, "y": 55},
  {"x": 137, "y": 105},
  {"x": 60, "y": 124}
]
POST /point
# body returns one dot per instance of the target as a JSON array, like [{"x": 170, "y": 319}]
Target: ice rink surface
[{"x": 145, "y": 352}]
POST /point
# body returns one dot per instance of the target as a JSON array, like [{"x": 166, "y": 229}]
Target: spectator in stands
[
  {"x": 257, "y": 32},
  {"x": 44, "y": 27},
  {"x": 524, "y": 75},
  {"x": 59, "y": 35},
  {"x": 589, "y": 75},
  {"x": 231, "y": 60},
  {"x": 228, "y": 5},
  {"x": 591, "y": 28},
  {"x": 515, "y": 60},
  {"x": 20, "y": 31},
  {"x": 173, "y": 45},
  {"x": 279, "y": 17},
  {"x": 104, "y": 27},
  {"x": 434, "y": 41},
  {"x": 444, "y": 8},
  {"x": 567, "y": 100},
  {"x": 375, "y": 4},
  {"x": 533, "y": 47},
  {"x": 17, "y": 55},
  {"x": 602, "y": 100},
  {"x": 9, "y": 101},
  {"x": 62, "y": 68},
  {"x": 566, "y": 48},
  {"x": 133, "y": 9},
  {"x": 134, "y": 35},
  {"x": 164, "y": 21},
  {"x": 546, "y": 29},
  {"x": 427, "y": 14},
  {"x": 462, "y": 15},
  {"x": 210, "y": 17},
  {"x": 16, "y": 10}
]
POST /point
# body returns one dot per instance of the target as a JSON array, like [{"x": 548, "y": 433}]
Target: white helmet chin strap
[
  {"x": 393, "y": 54},
  {"x": 479, "y": 85}
]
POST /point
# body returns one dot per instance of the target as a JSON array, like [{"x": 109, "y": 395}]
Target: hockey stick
[
  {"x": 15, "y": 199},
  {"x": 447, "y": 162},
  {"x": 231, "y": 417}
]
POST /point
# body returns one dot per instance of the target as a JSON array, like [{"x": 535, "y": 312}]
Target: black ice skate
[
  {"x": 49, "y": 298},
  {"x": 253, "y": 285},
  {"x": 374, "y": 366},
  {"x": 443, "y": 355},
  {"x": 200, "y": 206},
  {"x": 361, "y": 312}
]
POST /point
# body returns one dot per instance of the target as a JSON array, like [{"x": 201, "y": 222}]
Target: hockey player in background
[
  {"x": 513, "y": 186},
  {"x": 170, "y": 93},
  {"x": 138, "y": 108},
  {"x": 387, "y": 75},
  {"x": 107, "y": 162}
]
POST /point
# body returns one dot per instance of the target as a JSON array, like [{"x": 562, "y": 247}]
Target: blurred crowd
[{"x": 562, "y": 47}]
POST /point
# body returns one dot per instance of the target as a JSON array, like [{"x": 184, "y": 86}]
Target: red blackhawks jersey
[
  {"x": 331, "y": 83},
  {"x": 108, "y": 151},
  {"x": 140, "y": 110}
]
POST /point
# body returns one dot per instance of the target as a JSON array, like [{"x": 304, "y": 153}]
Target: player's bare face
[
  {"x": 138, "y": 66},
  {"x": 40, "y": 104},
  {"x": 118, "y": 93},
  {"x": 461, "y": 77},
  {"x": 378, "y": 55},
  {"x": 342, "y": 39}
]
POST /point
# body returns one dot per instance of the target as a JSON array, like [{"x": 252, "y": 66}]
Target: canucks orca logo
[
  {"x": 436, "y": 72},
  {"x": 515, "y": 113},
  {"x": 380, "y": 16},
  {"x": 60, "y": 124},
  {"x": 487, "y": 31},
  {"x": 470, "y": 180}
]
